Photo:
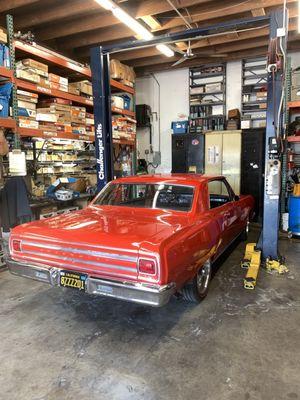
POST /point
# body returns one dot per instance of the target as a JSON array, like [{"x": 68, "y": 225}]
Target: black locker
[
  {"x": 253, "y": 166},
  {"x": 188, "y": 153}
]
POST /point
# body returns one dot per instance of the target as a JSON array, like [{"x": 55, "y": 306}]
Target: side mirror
[{"x": 236, "y": 198}]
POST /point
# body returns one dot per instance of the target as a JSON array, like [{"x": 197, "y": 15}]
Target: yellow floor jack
[{"x": 252, "y": 262}]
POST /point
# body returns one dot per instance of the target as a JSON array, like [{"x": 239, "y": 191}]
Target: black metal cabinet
[
  {"x": 253, "y": 166},
  {"x": 188, "y": 153}
]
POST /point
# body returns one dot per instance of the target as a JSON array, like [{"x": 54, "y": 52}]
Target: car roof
[{"x": 181, "y": 179}]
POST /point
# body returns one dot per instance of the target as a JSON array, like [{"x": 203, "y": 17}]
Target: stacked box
[
  {"x": 83, "y": 88},
  {"x": 33, "y": 71},
  {"x": 3, "y": 36},
  {"x": 78, "y": 120},
  {"x": 90, "y": 124},
  {"x": 122, "y": 72},
  {"x": 27, "y": 102},
  {"x": 56, "y": 115},
  {"x": 58, "y": 82},
  {"x": 123, "y": 128}
]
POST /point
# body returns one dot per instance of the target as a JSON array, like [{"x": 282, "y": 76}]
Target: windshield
[{"x": 165, "y": 196}]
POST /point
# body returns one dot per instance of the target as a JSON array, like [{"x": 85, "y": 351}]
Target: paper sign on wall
[{"x": 213, "y": 155}]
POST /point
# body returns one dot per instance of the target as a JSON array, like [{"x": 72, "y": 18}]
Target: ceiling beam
[
  {"x": 228, "y": 7},
  {"x": 211, "y": 10},
  {"x": 255, "y": 52},
  {"x": 204, "y": 43},
  {"x": 11, "y": 4},
  {"x": 258, "y": 12},
  {"x": 65, "y": 9},
  {"x": 221, "y": 49},
  {"x": 79, "y": 7}
]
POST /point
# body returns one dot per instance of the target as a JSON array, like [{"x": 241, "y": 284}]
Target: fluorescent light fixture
[
  {"x": 107, "y": 4},
  {"x": 165, "y": 50},
  {"x": 132, "y": 23}
]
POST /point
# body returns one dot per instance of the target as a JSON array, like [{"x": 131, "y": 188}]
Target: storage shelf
[
  {"x": 50, "y": 56},
  {"x": 6, "y": 72},
  {"x": 294, "y": 104},
  {"x": 209, "y": 116},
  {"x": 128, "y": 113},
  {"x": 32, "y": 87},
  {"x": 216, "y": 103},
  {"x": 61, "y": 61},
  {"x": 44, "y": 134},
  {"x": 8, "y": 123},
  {"x": 120, "y": 86},
  {"x": 206, "y": 94},
  {"x": 203, "y": 76}
]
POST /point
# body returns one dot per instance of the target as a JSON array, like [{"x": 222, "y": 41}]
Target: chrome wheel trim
[
  {"x": 247, "y": 227},
  {"x": 203, "y": 277}
]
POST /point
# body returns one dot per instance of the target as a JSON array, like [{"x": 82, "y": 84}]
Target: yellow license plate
[{"x": 72, "y": 280}]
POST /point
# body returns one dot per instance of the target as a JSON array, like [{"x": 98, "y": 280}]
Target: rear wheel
[
  {"x": 245, "y": 232},
  {"x": 196, "y": 290}
]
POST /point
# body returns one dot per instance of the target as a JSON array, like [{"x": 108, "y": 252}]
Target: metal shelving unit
[
  {"x": 254, "y": 91},
  {"x": 207, "y": 98}
]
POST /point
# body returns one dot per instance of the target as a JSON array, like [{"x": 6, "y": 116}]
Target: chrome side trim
[
  {"x": 152, "y": 295},
  {"x": 79, "y": 251}
]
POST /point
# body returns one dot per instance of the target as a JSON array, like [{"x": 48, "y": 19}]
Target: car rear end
[{"x": 127, "y": 274}]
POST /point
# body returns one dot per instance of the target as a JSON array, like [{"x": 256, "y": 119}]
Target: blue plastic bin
[
  {"x": 127, "y": 102},
  {"x": 294, "y": 215},
  {"x": 5, "y": 92},
  {"x": 180, "y": 126}
]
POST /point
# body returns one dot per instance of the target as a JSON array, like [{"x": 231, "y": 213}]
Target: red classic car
[{"x": 142, "y": 239}]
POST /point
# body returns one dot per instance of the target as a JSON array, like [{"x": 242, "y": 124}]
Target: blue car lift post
[{"x": 268, "y": 243}]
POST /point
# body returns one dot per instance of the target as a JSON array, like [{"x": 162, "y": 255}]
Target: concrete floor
[{"x": 56, "y": 344}]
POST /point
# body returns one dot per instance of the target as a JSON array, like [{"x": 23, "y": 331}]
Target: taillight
[
  {"x": 146, "y": 266},
  {"x": 16, "y": 245}
]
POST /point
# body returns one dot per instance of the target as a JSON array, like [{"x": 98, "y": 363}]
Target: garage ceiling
[{"x": 73, "y": 26}]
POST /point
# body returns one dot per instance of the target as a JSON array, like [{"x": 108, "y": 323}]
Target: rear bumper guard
[{"x": 152, "y": 295}]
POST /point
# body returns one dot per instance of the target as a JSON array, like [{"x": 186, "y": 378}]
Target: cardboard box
[
  {"x": 28, "y": 62},
  {"x": 234, "y": 114},
  {"x": 28, "y": 94},
  {"x": 46, "y": 117},
  {"x": 78, "y": 129},
  {"x": 246, "y": 124},
  {"x": 3, "y": 36},
  {"x": 58, "y": 79},
  {"x": 26, "y": 112},
  {"x": 28, "y": 75},
  {"x": 73, "y": 90},
  {"x": 55, "y": 100},
  {"x": 121, "y": 71},
  {"x": 84, "y": 87},
  {"x": 213, "y": 87},
  {"x": 26, "y": 104},
  {"x": 263, "y": 105},
  {"x": 58, "y": 86},
  {"x": 295, "y": 94},
  {"x": 117, "y": 102},
  {"x": 197, "y": 90},
  {"x": 28, "y": 123},
  {"x": 259, "y": 95}
]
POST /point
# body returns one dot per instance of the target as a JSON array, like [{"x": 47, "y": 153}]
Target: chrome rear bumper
[{"x": 152, "y": 295}]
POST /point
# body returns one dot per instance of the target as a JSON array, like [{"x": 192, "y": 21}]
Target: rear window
[{"x": 164, "y": 196}]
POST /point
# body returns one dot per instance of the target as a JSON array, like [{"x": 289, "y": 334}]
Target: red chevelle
[{"x": 142, "y": 239}]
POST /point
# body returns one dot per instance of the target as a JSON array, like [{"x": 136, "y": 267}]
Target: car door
[{"x": 222, "y": 208}]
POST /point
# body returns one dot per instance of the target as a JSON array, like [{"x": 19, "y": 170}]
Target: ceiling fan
[{"x": 188, "y": 54}]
